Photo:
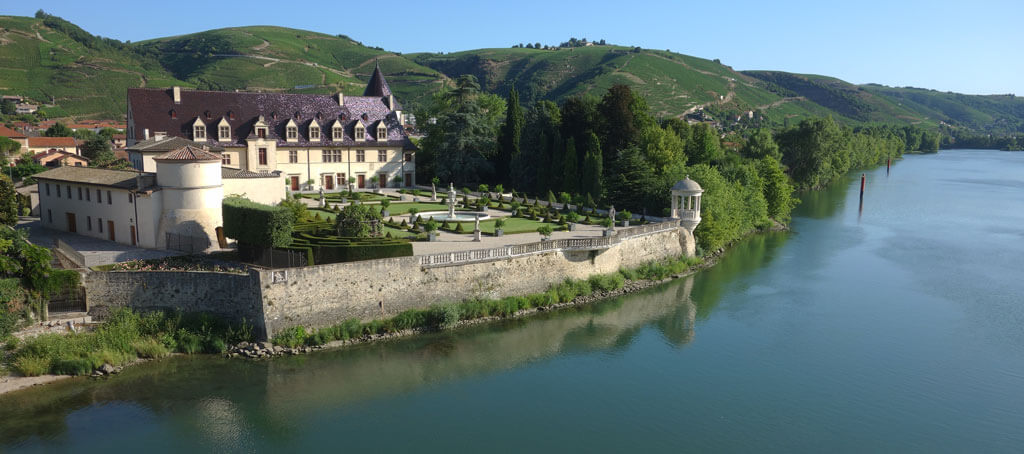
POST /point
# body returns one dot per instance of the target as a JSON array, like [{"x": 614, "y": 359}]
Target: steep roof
[
  {"x": 377, "y": 86},
  {"x": 166, "y": 144},
  {"x": 10, "y": 133},
  {"x": 52, "y": 142},
  {"x": 188, "y": 153},
  {"x": 122, "y": 179}
]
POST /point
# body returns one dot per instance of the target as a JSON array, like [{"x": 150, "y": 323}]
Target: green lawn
[{"x": 512, "y": 225}]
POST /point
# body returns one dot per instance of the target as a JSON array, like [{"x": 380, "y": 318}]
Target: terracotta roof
[
  {"x": 38, "y": 156},
  {"x": 155, "y": 110},
  {"x": 188, "y": 153},
  {"x": 122, "y": 179},
  {"x": 10, "y": 133},
  {"x": 231, "y": 172},
  {"x": 52, "y": 142},
  {"x": 166, "y": 144}
]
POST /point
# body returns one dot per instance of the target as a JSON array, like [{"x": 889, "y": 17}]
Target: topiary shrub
[
  {"x": 257, "y": 224},
  {"x": 458, "y": 228}
]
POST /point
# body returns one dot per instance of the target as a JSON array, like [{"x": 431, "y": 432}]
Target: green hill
[{"x": 86, "y": 76}]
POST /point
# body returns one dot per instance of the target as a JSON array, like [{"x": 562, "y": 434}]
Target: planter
[
  {"x": 572, "y": 227},
  {"x": 499, "y": 232},
  {"x": 608, "y": 232},
  {"x": 384, "y": 213},
  {"x": 432, "y": 236},
  {"x": 625, "y": 223}
]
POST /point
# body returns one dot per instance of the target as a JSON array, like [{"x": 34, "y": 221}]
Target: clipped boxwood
[{"x": 257, "y": 224}]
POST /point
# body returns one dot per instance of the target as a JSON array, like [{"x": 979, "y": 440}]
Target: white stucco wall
[
  {"x": 91, "y": 215},
  {"x": 262, "y": 190}
]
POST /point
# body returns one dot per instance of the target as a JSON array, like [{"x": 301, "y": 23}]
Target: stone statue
[
  {"x": 476, "y": 227},
  {"x": 433, "y": 192},
  {"x": 451, "y": 201},
  {"x": 323, "y": 200},
  {"x": 611, "y": 214}
]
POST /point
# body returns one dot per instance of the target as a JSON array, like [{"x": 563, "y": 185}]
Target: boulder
[{"x": 106, "y": 369}]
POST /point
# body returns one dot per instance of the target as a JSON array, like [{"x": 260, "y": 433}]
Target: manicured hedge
[
  {"x": 334, "y": 249},
  {"x": 257, "y": 224}
]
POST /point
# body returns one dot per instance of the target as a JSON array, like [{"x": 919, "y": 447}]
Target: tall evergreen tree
[
  {"x": 509, "y": 139},
  {"x": 593, "y": 167},
  {"x": 570, "y": 173},
  {"x": 618, "y": 127},
  {"x": 703, "y": 146}
]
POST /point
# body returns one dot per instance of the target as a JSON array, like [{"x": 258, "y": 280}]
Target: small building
[
  {"x": 119, "y": 140},
  {"x": 142, "y": 153},
  {"x": 176, "y": 207},
  {"x": 44, "y": 144},
  {"x": 25, "y": 108},
  {"x": 14, "y": 135},
  {"x": 58, "y": 158}
]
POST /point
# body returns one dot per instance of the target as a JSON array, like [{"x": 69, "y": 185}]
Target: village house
[
  {"x": 25, "y": 108},
  {"x": 311, "y": 141},
  {"x": 58, "y": 158},
  {"x": 14, "y": 135},
  {"x": 43, "y": 144}
]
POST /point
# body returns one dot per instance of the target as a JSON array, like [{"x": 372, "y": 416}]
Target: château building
[{"x": 312, "y": 141}]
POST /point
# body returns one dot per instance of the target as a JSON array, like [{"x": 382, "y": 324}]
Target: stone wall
[
  {"x": 324, "y": 295},
  {"x": 231, "y": 296},
  {"x": 328, "y": 294}
]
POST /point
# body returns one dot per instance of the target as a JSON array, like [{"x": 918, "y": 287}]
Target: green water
[{"x": 894, "y": 329}]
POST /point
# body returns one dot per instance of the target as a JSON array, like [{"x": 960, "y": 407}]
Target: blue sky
[{"x": 967, "y": 47}]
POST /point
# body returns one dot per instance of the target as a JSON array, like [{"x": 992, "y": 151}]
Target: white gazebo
[{"x": 686, "y": 203}]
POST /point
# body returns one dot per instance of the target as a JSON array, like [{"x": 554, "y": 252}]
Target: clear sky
[{"x": 963, "y": 46}]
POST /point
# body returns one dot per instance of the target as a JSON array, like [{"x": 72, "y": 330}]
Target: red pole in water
[
  {"x": 888, "y": 162},
  {"x": 860, "y": 208}
]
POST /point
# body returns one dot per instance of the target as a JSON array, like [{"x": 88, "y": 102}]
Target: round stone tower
[{"x": 191, "y": 192}]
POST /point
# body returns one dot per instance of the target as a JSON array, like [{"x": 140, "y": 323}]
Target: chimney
[
  {"x": 145, "y": 134},
  {"x": 177, "y": 94},
  {"x": 391, "y": 102},
  {"x": 341, "y": 99}
]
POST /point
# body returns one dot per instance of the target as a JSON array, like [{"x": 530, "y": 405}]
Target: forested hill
[{"x": 86, "y": 76}]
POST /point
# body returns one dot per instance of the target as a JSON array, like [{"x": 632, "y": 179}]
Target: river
[{"x": 899, "y": 327}]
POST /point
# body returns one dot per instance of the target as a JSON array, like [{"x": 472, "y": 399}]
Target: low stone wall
[
  {"x": 328, "y": 294},
  {"x": 231, "y": 296},
  {"x": 324, "y": 295}
]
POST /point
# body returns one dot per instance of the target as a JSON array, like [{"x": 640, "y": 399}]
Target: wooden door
[
  {"x": 72, "y": 225},
  {"x": 383, "y": 180},
  {"x": 328, "y": 182},
  {"x": 295, "y": 182},
  {"x": 110, "y": 231},
  {"x": 408, "y": 179},
  {"x": 361, "y": 181},
  {"x": 133, "y": 234}
]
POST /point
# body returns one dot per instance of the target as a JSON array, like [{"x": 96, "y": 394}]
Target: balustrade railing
[{"x": 483, "y": 255}]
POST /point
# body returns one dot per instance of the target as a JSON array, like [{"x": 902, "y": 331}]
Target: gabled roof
[
  {"x": 377, "y": 86},
  {"x": 10, "y": 133},
  {"x": 122, "y": 179},
  {"x": 166, "y": 144},
  {"x": 53, "y": 151},
  {"x": 188, "y": 153},
  {"x": 51, "y": 142}
]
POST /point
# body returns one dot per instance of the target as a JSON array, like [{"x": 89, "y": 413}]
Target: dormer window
[
  {"x": 261, "y": 128},
  {"x": 291, "y": 131},
  {"x": 382, "y": 132},
  {"x": 198, "y": 131},
  {"x": 337, "y": 133},
  {"x": 314, "y": 131},
  {"x": 223, "y": 130},
  {"x": 360, "y": 132}
]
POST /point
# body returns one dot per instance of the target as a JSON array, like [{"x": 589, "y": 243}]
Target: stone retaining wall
[{"x": 324, "y": 295}]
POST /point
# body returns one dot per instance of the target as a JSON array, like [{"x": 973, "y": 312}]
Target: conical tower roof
[{"x": 377, "y": 85}]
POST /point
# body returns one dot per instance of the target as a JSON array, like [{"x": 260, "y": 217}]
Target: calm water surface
[{"x": 898, "y": 328}]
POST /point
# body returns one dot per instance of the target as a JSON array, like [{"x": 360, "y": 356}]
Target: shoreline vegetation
[{"x": 129, "y": 338}]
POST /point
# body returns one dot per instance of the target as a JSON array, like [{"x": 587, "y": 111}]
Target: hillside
[
  {"x": 87, "y": 76},
  {"x": 45, "y": 64}
]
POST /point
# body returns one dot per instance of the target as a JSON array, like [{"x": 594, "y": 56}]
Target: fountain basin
[{"x": 460, "y": 216}]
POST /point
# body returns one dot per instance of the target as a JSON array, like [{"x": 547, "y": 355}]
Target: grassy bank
[
  {"x": 444, "y": 316},
  {"x": 125, "y": 337}
]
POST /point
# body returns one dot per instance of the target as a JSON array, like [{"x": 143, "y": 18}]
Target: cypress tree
[
  {"x": 593, "y": 168},
  {"x": 570, "y": 176},
  {"x": 509, "y": 139}
]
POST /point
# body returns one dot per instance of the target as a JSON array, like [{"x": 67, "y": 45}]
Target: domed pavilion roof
[{"x": 687, "y": 185}]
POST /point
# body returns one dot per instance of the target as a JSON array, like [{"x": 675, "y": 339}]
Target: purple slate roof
[
  {"x": 154, "y": 109},
  {"x": 377, "y": 86}
]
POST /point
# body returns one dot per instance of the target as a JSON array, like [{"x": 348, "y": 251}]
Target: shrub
[
  {"x": 409, "y": 319},
  {"x": 215, "y": 345},
  {"x": 32, "y": 365},
  {"x": 291, "y": 337},
  {"x": 150, "y": 348},
  {"x": 188, "y": 343},
  {"x": 73, "y": 366},
  {"x": 444, "y": 316},
  {"x": 256, "y": 223},
  {"x": 459, "y": 229},
  {"x": 544, "y": 230}
]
